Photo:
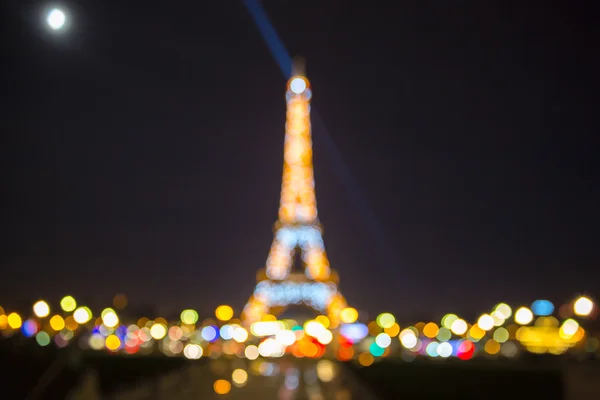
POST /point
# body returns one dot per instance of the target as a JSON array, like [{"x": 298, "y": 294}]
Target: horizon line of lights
[{"x": 501, "y": 332}]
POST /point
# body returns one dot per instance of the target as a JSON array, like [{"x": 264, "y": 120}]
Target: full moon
[{"x": 56, "y": 19}]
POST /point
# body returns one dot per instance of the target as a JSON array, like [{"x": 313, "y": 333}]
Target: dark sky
[{"x": 142, "y": 151}]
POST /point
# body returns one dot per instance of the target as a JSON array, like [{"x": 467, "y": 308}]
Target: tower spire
[
  {"x": 298, "y": 66},
  {"x": 298, "y": 201}
]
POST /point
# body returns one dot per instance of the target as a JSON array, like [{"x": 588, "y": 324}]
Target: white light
[
  {"x": 383, "y": 340},
  {"x": 444, "y": 349},
  {"x": 286, "y": 338},
  {"x": 408, "y": 338},
  {"x": 486, "y": 322},
  {"x": 110, "y": 319},
  {"x": 298, "y": 85},
  {"x": 192, "y": 351},
  {"x": 56, "y": 19},
  {"x": 459, "y": 327},
  {"x": 583, "y": 306},
  {"x": 523, "y": 316}
]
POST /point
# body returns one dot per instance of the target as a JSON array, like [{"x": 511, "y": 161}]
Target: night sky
[{"x": 142, "y": 151}]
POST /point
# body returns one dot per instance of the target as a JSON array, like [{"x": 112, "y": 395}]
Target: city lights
[
  {"x": 364, "y": 343},
  {"x": 334, "y": 331}
]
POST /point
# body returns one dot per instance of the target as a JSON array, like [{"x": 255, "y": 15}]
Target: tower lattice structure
[{"x": 298, "y": 228}]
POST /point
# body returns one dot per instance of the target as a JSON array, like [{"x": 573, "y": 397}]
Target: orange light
[{"x": 222, "y": 386}]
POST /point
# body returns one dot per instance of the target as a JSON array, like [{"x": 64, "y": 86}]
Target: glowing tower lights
[{"x": 298, "y": 227}]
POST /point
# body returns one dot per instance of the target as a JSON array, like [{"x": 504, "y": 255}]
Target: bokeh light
[
  {"x": 583, "y": 306},
  {"x": 158, "y": 331},
  {"x": 542, "y": 307},
  {"x": 42, "y": 338},
  {"x": 68, "y": 303},
  {"x": 523, "y": 316},
  {"x": 224, "y": 313},
  {"x": 385, "y": 320},
  {"x": 14, "y": 320},
  {"x": 486, "y": 322},
  {"x": 41, "y": 309},
  {"x": 222, "y": 386},
  {"x": 189, "y": 316},
  {"x": 82, "y": 315},
  {"x": 109, "y": 318},
  {"x": 239, "y": 377},
  {"x": 57, "y": 323},
  {"x": 349, "y": 315}
]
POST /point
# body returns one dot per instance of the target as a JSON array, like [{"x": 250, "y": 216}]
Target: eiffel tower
[{"x": 298, "y": 230}]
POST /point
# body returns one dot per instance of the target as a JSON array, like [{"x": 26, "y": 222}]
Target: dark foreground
[{"x": 69, "y": 374}]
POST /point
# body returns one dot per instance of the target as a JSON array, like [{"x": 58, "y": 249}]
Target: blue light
[
  {"x": 121, "y": 331},
  {"x": 376, "y": 350},
  {"x": 29, "y": 328},
  {"x": 226, "y": 332},
  {"x": 354, "y": 332},
  {"x": 542, "y": 308},
  {"x": 209, "y": 333},
  {"x": 431, "y": 349}
]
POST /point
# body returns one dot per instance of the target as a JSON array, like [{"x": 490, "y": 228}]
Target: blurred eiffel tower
[{"x": 298, "y": 231}]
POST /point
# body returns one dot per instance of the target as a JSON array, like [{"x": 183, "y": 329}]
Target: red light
[{"x": 466, "y": 350}]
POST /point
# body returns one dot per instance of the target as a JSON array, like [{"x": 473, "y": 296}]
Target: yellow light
[
  {"x": 222, "y": 386},
  {"x": 486, "y": 322},
  {"x": 158, "y": 331},
  {"x": 189, "y": 316},
  {"x": 523, "y": 316},
  {"x": 41, "y": 309},
  {"x": 476, "y": 333},
  {"x": 239, "y": 377},
  {"x": 57, "y": 323},
  {"x": 68, "y": 303},
  {"x": 112, "y": 343},
  {"x": 385, "y": 320},
  {"x": 82, "y": 315},
  {"x": 349, "y": 315},
  {"x": 323, "y": 320},
  {"x": 3, "y": 322},
  {"x": 583, "y": 306},
  {"x": 224, "y": 313},
  {"x": 14, "y": 320}
]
